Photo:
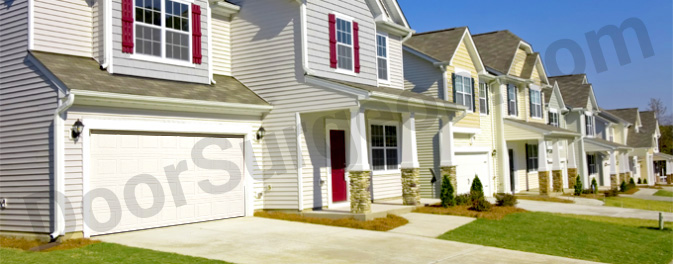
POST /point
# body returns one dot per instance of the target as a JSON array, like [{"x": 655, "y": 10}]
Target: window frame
[
  {"x": 591, "y": 164},
  {"x": 350, "y": 20},
  {"x": 163, "y": 28},
  {"x": 513, "y": 99},
  {"x": 465, "y": 76},
  {"x": 589, "y": 122},
  {"x": 387, "y": 169},
  {"x": 485, "y": 98},
  {"x": 533, "y": 161},
  {"x": 536, "y": 106},
  {"x": 386, "y": 58}
]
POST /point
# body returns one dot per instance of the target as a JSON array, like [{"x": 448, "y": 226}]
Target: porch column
[
  {"x": 625, "y": 165},
  {"x": 557, "y": 173},
  {"x": 542, "y": 169},
  {"x": 410, "y": 167},
  {"x": 614, "y": 178},
  {"x": 358, "y": 163},
  {"x": 446, "y": 154},
  {"x": 572, "y": 165},
  {"x": 623, "y": 176}
]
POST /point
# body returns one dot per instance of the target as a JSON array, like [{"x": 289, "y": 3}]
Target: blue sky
[{"x": 542, "y": 23}]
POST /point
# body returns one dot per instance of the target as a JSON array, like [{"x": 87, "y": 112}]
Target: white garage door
[
  {"x": 469, "y": 165},
  {"x": 161, "y": 180}
]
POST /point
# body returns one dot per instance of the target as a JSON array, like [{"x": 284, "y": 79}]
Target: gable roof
[
  {"x": 628, "y": 114},
  {"x": 440, "y": 44},
  {"x": 548, "y": 92},
  {"x": 497, "y": 49},
  {"x": 389, "y": 16},
  {"x": 575, "y": 92},
  {"x": 644, "y": 137},
  {"x": 82, "y": 73}
]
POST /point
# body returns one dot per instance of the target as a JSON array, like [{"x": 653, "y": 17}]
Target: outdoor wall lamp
[
  {"x": 260, "y": 133},
  {"x": 77, "y": 129}
]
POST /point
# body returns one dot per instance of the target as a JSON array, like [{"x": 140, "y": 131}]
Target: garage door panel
[
  {"x": 469, "y": 165},
  {"x": 117, "y": 160}
]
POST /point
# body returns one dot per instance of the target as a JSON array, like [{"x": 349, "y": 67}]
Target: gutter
[{"x": 59, "y": 168}]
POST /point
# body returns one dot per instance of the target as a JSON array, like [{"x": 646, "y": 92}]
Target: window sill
[
  {"x": 536, "y": 118},
  {"x": 347, "y": 72},
  {"x": 384, "y": 83},
  {"x": 162, "y": 60}
]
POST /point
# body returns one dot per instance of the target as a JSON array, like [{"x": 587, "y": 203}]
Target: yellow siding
[
  {"x": 535, "y": 76},
  {"x": 464, "y": 61},
  {"x": 517, "y": 64}
]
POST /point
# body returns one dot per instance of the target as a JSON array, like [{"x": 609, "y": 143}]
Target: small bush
[
  {"x": 594, "y": 186},
  {"x": 644, "y": 181},
  {"x": 463, "y": 199},
  {"x": 630, "y": 186},
  {"x": 587, "y": 191},
  {"x": 447, "y": 193},
  {"x": 632, "y": 181},
  {"x": 481, "y": 205},
  {"x": 612, "y": 193},
  {"x": 639, "y": 181},
  {"x": 505, "y": 199},
  {"x": 623, "y": 187},
  {"x": 578, "y": 186},
  {"x": 477, "y": 188}
]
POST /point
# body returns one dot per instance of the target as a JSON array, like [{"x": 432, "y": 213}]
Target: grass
[
  {"x": 664, "y": 193},
  {"x": 496, "y": 212},
  {"x": 378, "y": 224},
  {"x": 551, "y": 234},
  {"x": 26, "y": 244},
  {"x": 628, "y": 202},
  {"x": 634, "y": 222},
  {"x": 89, "y": 251},
  {"x": 543, "y": 198}
]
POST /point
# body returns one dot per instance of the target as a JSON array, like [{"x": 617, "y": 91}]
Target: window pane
[
  {"x": 377, "y": 136},
  {"x": 383, "y": 68},
  {"x": 391, "y": 159},
  {"x": 344, "y": 57},
  {"x": 378, "y": 160},
  {"x": 391, "y": 136},
  {"x": 459, "y": 84},
  {"x": 482, "y": 106}
]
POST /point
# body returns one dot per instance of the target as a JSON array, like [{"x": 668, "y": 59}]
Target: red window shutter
[
  {"x": 332, "y": 41},
  {"x": 356, "y": 47},
  {"x": 127, "y": 26},
  {"x": 196, "y": 34}
]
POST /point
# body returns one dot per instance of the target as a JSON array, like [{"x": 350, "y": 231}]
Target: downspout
[
  {"x": 210, "y": 43},
  {"x": 307, "y": 72},
  {"x": 59, "y": 168},
  {"x": 304, "y": 37},
  {"x": 107, "y": 42}
]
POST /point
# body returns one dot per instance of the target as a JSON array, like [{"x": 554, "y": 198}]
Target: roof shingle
[
  {"x": 497, "y": 49},
  {"x": 440, "y": 44},
  {"x": 573, "y": 89}
]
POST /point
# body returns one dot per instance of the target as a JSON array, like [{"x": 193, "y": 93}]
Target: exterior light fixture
[
  {"x": 77, "y": 129},
  {"x": 260, "y": 133}
]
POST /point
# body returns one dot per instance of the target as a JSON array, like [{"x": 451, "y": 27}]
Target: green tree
[
  {"x": 476, "y": 187},
  {"x": 666, "y": 139},
  {"x": 594, "y": 186},
  {"x": 578, "y": 186},
  {"x": 447, "y": 193}
]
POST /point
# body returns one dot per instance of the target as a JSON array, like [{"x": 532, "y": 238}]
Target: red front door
[{"x": 338, "y": 157}]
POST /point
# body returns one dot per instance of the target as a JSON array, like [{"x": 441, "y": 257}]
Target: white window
[
  {"x": 382, "y": 56},
  {"x": 591, "y": 164},
  {"x": 483, "y": 98},
  {"x": 344, "y": 44},
  {"x": 590, "y": 124},
  {"x": 535, "y": 104},
  {"x": 463, "y": 91},
  {"x": 611, "y": 134},
  {"x": 531, "y": 157},
  {"x": 162, "y": 29},
  {"x": 553, "y": 118},
  {"x": 384, "y": 147},
  {"x": 512, "y": 100}
]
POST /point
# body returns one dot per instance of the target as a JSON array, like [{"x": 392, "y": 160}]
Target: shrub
[
  {"x": 630, "y": 186},
  {"x": 481, "y": 205},
  {"x": 644, "y": 181},
  {"x": 612, "y": 193},
  {"x": 587, "y": 191},
  {"x": 463, "y": 199},
  {"x": 477, "y": 189},
  {"x": 639, "y": 181},
  {"x": 632, "y": 181},
  {"x": 447, "y": 193},
  {"x": 505, "y": 199},
  {"x": 594, "y": 186},
  {"x": 623, "y": 187},
  {"x": 578, "y": 186}
]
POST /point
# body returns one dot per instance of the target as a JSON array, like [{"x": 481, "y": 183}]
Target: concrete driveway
[{"x": 260, "y": 240}]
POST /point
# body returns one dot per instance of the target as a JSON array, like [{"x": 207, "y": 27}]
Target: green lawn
[
  {"x": 636, "y": 203},
  {"x": 98, "y": 253},
  {"x": 635, "y": 222},
  {"x": 664, "y": 193},
  {"x": 551, "y": 234}
]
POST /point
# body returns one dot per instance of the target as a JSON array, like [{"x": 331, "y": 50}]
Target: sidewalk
[
  {"x": 582, "y": 209},
  {"x": 648, "y": 194}
]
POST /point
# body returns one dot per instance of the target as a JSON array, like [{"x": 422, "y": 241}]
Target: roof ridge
[
  {"x": 438, "y": 31},
  {"x": 628, "y": 108},
  {"x": 568, "y": 75},
  {"x": 491, "y": 32}
]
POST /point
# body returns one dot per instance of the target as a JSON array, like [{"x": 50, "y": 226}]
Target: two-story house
[
  {"x": 524, "y": 139},
  {"x": 445, "y": 64},
  {"x": 613, "y": 129},
  {"x": 643, "y": 137},
  {"x": 121, "y": 115}
]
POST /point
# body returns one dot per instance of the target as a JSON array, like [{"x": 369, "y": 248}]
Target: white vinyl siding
[
  {"x": 64, "y": 26},
  {"x": 221, "y": 45},
  {"x": 422, "y": 77}
]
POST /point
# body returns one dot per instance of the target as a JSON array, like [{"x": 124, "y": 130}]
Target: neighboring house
[
  {"x": 445, "y": 64},
  {"x": 522, "y": 134},
  {"x": 663, "y": 167},
  {"x": 342, "y": 130},
  {"x": 613, "y": 169},
  {"x": 643, "y": 137},
  {"x": 165, "y": 125}
]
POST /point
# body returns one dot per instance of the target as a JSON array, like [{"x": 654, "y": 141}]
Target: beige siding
[
  {"x": 64, "y": 26},
  {"x": 464, "y": 61},
  {"x": 421, "y": 76},
  {"x": 386, "y": 185},
  {"x": 395, "y": 62},
  {"x": 518, "y": 63},
  {"x": 427, "y": 144},
  {"x": 28, "y": 102},
  {"x": 98, "y": 31},
  {"x": 221, "y": 45}
]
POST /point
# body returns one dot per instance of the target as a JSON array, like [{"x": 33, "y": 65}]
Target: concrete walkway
[
  {"x": 260, "y": 240},
  {"x": 648, "y": 194},
  {"x": 591, "y": 210},
  {"x": 431, "y": 225}
]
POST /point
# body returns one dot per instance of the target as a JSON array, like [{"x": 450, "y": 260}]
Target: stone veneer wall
[
  {"x": 614, "y": 181},
  {"x": 361, "y": 200},
  {"x": 622, "y": 177},
  {"x": 572, "y": 176},
  {"x": 557, "y": 183},
  {"x": 410, "y": 186},
  {"x": 628, "y": 177},
  {"x": 669, "y": 178},
  {"x": 451, "y": 171},
  {"x": 543, "y": 177}
]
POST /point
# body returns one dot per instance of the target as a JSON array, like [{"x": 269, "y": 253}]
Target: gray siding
[
  {"x": 64, "y": 26},
  {"x": 221, "y": 45},
  {"x": 395, "y": 61},
  {"x": 27, "y": 104},
  {"x": 266, "y": 49},
  {"x": 124, "y": 64},
  {"x": 421, "y": 76}
]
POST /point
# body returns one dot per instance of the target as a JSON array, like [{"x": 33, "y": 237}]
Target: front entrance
[
  {"x": 338, "y": 162},
  {"x": 512, "y": 172}
]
